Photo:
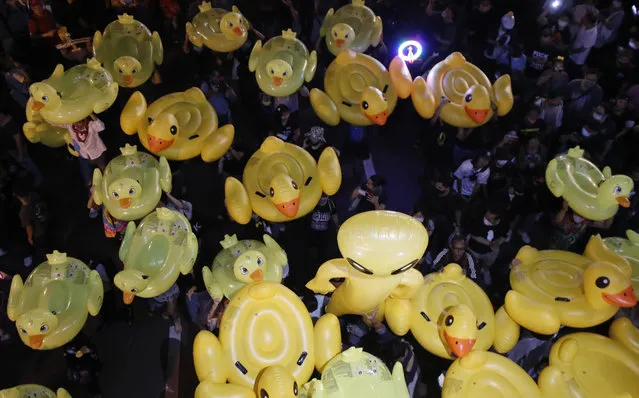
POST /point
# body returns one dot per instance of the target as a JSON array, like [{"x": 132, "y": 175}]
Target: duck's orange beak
[
  {"x": 340, "y": 42},
  {"x": 158, "y": 144},
  {"x": 238, "y": 31},
  {"x": 290, "y": 208},
  {"x": 127, "y": 79},
  {"x": 37, "y": 105},
  {"x": 125, "y": 203},
  {"x": 459, "y": 347},
  {"x": 35, "y": 341},
  {"x": 379, "y": 118},
  {"x": 478, "y": 115},
  {"x": 128, "y": 297},
  {"x": 257, "y": 275},
  {"x": 277, "y": 81},
  {"x": 624, "y": 299},
  {"x": 623, "y": 201}
]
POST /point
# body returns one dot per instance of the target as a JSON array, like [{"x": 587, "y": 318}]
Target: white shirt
[
  {"x": 89, "y": 145},
  {"x": 465, "y": 172},
  {"x": 585, "y": 38}
]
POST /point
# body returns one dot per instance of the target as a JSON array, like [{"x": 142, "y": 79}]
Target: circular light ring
[{"x": 404, "y": 51}]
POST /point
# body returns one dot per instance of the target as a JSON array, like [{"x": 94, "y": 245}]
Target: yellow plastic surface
[
  {"x": 178, "y": 126},
  {"x": 155, "y": 253},
  {"x": 220, "y": 30},
  {"x": 38, "y": 130},
  {"x": 353, "y": 27},
  {"x": 380, "y": 249},
  {"x": 33, "y": 390},
  {"x": 72, "y": 95},
  {"x": 282, "y": 65},
  {"x": 241, "y": 263},
  {"x": 282, "y": 182},
  {"x": 128, "y": 50},
  {"x": 591, "y": 193},
  {"x": 132, "y": 184},
  {"x": 467, "y": 88},
  {"x": 51, "y": 307}
]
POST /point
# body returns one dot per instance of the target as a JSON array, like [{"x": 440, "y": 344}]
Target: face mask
[
  {"x": 490, "y": 224},
  {"x": 501, "y": 163},
  {"x": 632, "y": 44},
  {"x": 617, "y": 4},
  {"x": 539, "y": 101},
  {"x": 562, "y": 24},
  {"x": 585, "y": 132},
  {"x": 597, "y": 116},
  {"x": 577, "y": 219},
  {"x": 420, "y": 219}
]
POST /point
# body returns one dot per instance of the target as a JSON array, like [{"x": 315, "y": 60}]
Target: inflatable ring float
[
  {"x": 353, "y": 27},
  {"x": 360, "y": 90},
  {"x": 282, "y": 182},
  {"x": 380, "y": 250},
  {"x": 178, "y": 126},
  {"x": 33, "y": 390},
  {"x": 51, "y": 306},
  {"x": 220, "y": 30},
  {"x": 629, "y": 250},
  {"x": 468, "y": 91},
  {"x": 243, "y": 262},
  {"x": 128, "y": 50},
  {"x": 591, "y": 193},
  {"x": 266, "y": 331},
  {"x": 70, "y": 96},
  {"x": 132, "y": 184},
  {"x": 38, "y": 130},
  {"x": 155, "y": 253},
  {"x": 282, "y": 65}
]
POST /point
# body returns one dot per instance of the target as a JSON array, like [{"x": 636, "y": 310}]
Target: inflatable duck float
[
  {"x": 178, "y": 126},
  {"x": 354, "y": 374},
  {"x": 360, "y": 90},
  {"x": 282, "y": 65},
  {"x": 591, "y": 193},
  {"x": 132, "y": 184},
  {"x": 155, "y": 253},
  {"x": 38, "y": 130},
  {"x": 450, "y": 315},
  {"x": 470, "y": 99},
  {"x": 33, "y": 390},
  {"x": 629, "y": 250},
  {"x": 380, "y": 249},
  {"x": 51, "y": 306},
  {"x": 267, "y": 346},
  {"x": 220, "y": 30},
  {"x": 70, "y": 96},
  {"x": 282, "y": 182},
  {"x": 243, "y": 262},
  {"x": 128, "y": 50},
  {"x": 551, "y": 288},
  {"x": 353, "y": 27}
]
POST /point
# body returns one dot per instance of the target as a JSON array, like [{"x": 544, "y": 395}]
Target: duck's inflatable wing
[
  {"x": 237, "y": 201},
  {"x": 533, "y": 315},
  {"x": 398, "y": 315},
  {"x": 62, "y": 393},
  {"x": 165, "y": 175},
  {"x": 376, "y": 34},
  {"x": 127, "y": 241},
  {"x": 328, "y": 23},
  {"x": 553, "y": 180},
  {"x": 327, "y": 340},
  {"x": 503, "y": 92},
  {"x": 95, "y": 293},
  {"x": 506, "y": 332},
  {"x": 189, "y": 255},
  {"x": 158, "y": 50},
  {"x": 330, "y": 171},
  {"x": 212, "y": 285},
  {"x": 14, "y": 305},
  {"x": 623, "y": 331}
]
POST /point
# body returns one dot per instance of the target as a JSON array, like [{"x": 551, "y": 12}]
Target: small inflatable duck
[
  {"x": 33, "y": 390},
  {"x": 282, "y": 182},
  {"x": 51, "y": 307},
  {"x": 353, "y": 27},
  {"x": 283, "y": 65},
  {"x": 591, "y": 193},
  {"x": 128, "y": 50},
  {"x": 241, "y": 263},
  {"x": 68, "y": 97},
  {"x": 178, "y": 126},
  {"x": 155, "y": 253},
  {"x": 132, "y": 184},
  {"x": 468, "y": 93},
  {"x": 628, "y": 249},
  {"x": 220, "y": 30},
  {"x": 267, "y": 344},
  {"x": 360, "y": 90}
]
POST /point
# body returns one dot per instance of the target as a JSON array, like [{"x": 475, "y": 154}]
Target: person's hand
[
  {"x": 429, "y": 8},
  {"x": 373, "y": 199}
]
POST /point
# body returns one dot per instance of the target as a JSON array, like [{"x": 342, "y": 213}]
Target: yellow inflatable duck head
[
  {"x": 162, "y": 131},
  {"x": 233, "y": 25},
  {"x": 125, "y": 190},
  {"x": 127, "y": 67},
  {"x": 477, "y": 103},
  {"x": 249, "y": 266},
  {"x": 284, "y": 192},
  {"x": 457, "y": 328},
  {"x": 131, "y": 282},
  {"x": 36, "y": 324},
  {"x": 374, "y": 105},
  {"x": 617, "y": 188},
  {"x": 343, "y": 34},
  {"x": 44, "y": 95},
  {"x": 606, "y": 284},
  {"x": 279, "y": 71},
  {"x": 276, "y": 382}
]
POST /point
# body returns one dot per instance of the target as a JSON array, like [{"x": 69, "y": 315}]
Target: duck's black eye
[
  {"x": 263, "y": 393},
  {"x": 134, "y": 71},
  {"x": 617, "y": 189},
  {"x": 295, "y": 389},
  {"x": 335, "y": 34},
  {"x": 120, "y": 70},
  {"x": 150, "y": 120},
  {"x": 173, "y": 130},
  {"x": 346, "y": 36},
  {"x": 468, "y": 98},
  {"x": 449, "y": 320},
  {"x": 602, "y": 282},
  {"x": 365, "y": 105},
  {"x": 44, "y": 328},
  {"x": 45, "y": 98},
  {"x": 134, "y": 290},
  {"x": 272, "y": 72},
  {"x": 230, "y": 24},
  {"x": 294, "y": 184},
  {"x": 284, "y": 74},
  {"x": 271, "y": 192}
]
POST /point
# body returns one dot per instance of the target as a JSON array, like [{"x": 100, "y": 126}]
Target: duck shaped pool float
[
  {"x": 282, "y": 182},
  {"x": 220, "y": 30},
  {"x": 469, "y": 96},
  {"x": 449, "y": 316},
  {"x": 128, "y": 50},
  {"x": 70, "y": 96},
  {"x": 267, "y": 346},
  {"x": 33, "y": 391},
  {"x": 243, "y": 262},
  {"x": 380, "y": 249},
  {"x": 51, "y": 307},
  {"x": 132, "y": 184},
  {"x": 38, "y": 130},
  {"x": 178, "y": 126},
  {"x": 360, "y": 90},
  {"x": 155, "y": 253},
  {"x": 357, "y": 374},
  {"x": 593, "y": 366},
  {"x": 551, "y": 288},
  {"x": 283, "y": 65},
  {"x": 591, "y": 193},
  {"x": 628, "y": 249},
  {"x": 353, "y": 27}
]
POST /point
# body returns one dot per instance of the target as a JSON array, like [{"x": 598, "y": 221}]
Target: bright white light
[
  {"x": 409, "y": 51},
  {"x": 556, "y": 4},
  {"x": 634, "y": 10}
]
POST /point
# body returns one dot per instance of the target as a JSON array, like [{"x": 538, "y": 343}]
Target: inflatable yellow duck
[
  {"x": 591, "y": 193},
  {"x": 282, "y": 182},
  {"x": 353, "y": 27},
  {"x": 220, "y": 30},
  {"x": 38, "y": 130},
  {"x": 33, "y": 390}
]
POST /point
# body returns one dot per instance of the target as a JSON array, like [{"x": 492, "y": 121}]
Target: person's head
[
  {"x": 375, "y": 182},
  {"x": 449, "y": 14},
  {"x": 617, "y": 4},
  {"x": 624, "y": 57},
  {"x": 589, "y": 20},
  {"x": 284, "y": 113},
  {"x": 316, "y": 135},
  {"x": 482, "y": 160},
  {"x": 558, "y": 64},
  {"x": 599, "y": 114},
  {"x": 591, "y": 77},
  {"x": 323, "y": 199},
  {"x": 37, "y": 6},
  {"x": 419, "y": 213},
  {"x": 533, "y": 114},
  {"x": 491, "y": 216},
  {"x": 458, "y": 247},
  {"x": 563, "y": 22},
  {"x": 443, "y": 183},
  {"x": 517, "y": 187},
  {"x": 485, "y": 6},
  {"x": 508, "y": 21},
  {"x": 621, "y": 103}
]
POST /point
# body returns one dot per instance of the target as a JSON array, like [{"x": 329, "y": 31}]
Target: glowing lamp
[{"x": 409, "y": 51}]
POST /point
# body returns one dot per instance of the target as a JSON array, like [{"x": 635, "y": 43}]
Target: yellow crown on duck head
[
  {"x": 575, "y": 152},
  {"x": 94, "y": 64},
  {"x": 204, "y": 6},
  {"x": 129, "y": 150},
  {"x": 164, "y": 213},
  {"x": 289, "y": 34},
  {"x": 359, "y": 3},
  {"x": 229, "y": 241},
  {"x": 125, "y": 18},
  {"x": 56, "y": 257}
]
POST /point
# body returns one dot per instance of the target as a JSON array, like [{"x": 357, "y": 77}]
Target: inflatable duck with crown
[
  {"x": 33, "y": 390},
  {"x": 220, "y": 30},
  {"x": 353, "y": 27},
  {"x": 52, "y": 305},
  {"x": 128, "y": 50}
]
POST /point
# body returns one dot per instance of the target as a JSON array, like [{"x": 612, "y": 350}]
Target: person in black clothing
[
  {"x": 321, "y": 235},
  {"x": 487, "y": 233},
  {"x": 368, "y": 196},
  {"x": 444, "y": 205},
  {"x": 286, "y": 126},
  {"x": 532, "y": 126},
  {"x": 457, "y": 253},
  {"x": 34, "y": 217},
  {"x": 233, "y": 162},
  {"x": 314, "y": 142}
]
